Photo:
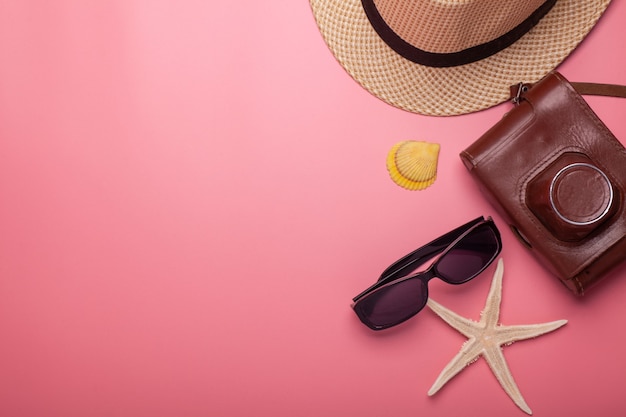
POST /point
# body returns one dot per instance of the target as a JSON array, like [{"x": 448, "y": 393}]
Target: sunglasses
[{"x": 401, "y": 292}]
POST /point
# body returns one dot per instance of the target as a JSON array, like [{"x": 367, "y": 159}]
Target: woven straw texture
[{"x": 454, "y": 90}]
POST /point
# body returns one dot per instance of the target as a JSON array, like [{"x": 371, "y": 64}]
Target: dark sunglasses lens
[
  {"x": 393, "y": 304},
  {"x": 469, "y": 256}
]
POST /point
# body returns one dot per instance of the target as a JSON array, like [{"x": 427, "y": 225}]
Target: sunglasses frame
[{"x": 402, "y": 269}]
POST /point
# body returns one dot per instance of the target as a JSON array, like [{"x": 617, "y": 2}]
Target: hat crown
[{"x": 448, "y": 26}]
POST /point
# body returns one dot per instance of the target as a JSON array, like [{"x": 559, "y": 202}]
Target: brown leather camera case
[{"x": 557, "y": 175}]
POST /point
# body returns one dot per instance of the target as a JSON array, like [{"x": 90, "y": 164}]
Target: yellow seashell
[{"x": 413, "y": 164}]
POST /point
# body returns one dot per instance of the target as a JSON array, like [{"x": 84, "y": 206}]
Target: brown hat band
[{"x": 450, "y": 59}]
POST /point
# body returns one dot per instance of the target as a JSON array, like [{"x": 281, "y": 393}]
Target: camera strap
[{"x": 595, "y": 89}]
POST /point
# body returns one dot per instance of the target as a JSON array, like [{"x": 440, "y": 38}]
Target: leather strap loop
[{"x": 588, "y": 89}]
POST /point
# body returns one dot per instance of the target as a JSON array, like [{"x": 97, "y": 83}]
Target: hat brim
[{"x": 453, "y": 90}]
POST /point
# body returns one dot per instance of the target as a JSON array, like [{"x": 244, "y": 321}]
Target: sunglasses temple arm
[{"x": 409, "y": 262}]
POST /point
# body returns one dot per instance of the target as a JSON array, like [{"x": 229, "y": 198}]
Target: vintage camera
[{"x": 557, "y": 175}]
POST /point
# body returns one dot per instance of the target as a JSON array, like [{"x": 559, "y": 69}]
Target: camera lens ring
[{"x": 576, "y": 165}]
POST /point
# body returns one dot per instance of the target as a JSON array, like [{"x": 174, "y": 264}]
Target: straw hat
[{"x": 447, "y": 57}]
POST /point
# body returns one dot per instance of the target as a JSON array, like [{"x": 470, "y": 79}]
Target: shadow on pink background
[{"x": 191, "y": 193}]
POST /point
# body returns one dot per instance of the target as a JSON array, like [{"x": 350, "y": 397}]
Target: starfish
[{"x": 486, "y": 338}]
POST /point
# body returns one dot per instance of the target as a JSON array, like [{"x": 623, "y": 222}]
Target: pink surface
[{"x": 191, "y": 193}]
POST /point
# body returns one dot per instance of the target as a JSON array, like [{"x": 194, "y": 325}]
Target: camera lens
[{"x": 581, "y": 194}]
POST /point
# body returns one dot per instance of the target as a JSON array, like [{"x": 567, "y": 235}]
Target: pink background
[{"x": 192, "y": 191}]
